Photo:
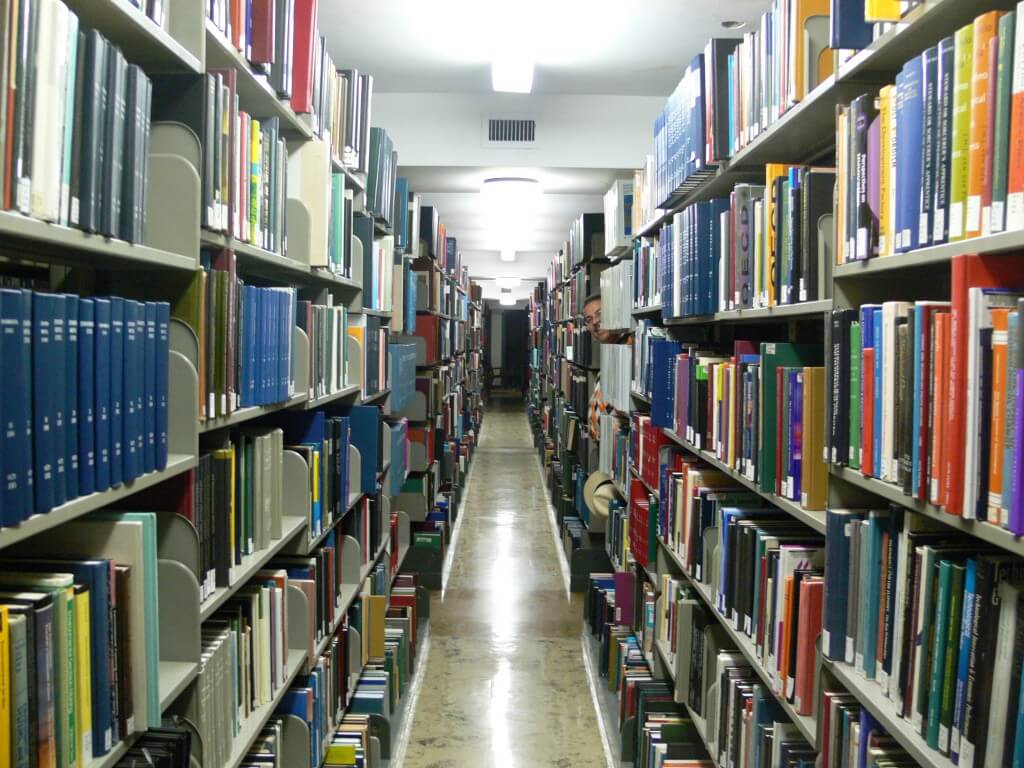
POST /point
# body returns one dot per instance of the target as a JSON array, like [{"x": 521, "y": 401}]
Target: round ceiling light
[{"x": 732, "y": 24}]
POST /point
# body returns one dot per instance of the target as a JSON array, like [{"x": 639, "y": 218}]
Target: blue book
[
  {"x": 44, "y": 400},
  {"x": 796, "y": 407},
  {"x": 117, "y": 396},
  {"x": 928, "y": 142},
  {"x": 102, "y": 393},
  {"x": 71, "y": 333},
  {"x": 964, "y": 657},
  {"x": 1018, "y": 742},
  {"x": 263, "y": 350},
  {"x": 286, "y": 322},
  {"x": 149, "y": 348},
  {"x": 663, "y": 359},
  {"x": 86, "y": 396},
  {"x": 868, "y": 728},
  {"x": 849, "y": 30},
  {"x": 908, "y": 153},
  {"x": 16, "y": 404},
  {"x": 58, "y": 341},
  {"x": 94, "y": 574},
  {"x": 163, "y": 355},
  {"x": 139, "y": 386},
  {"x": 131, "y": 443},
  {"x": 364, "y": 421},
  {"x": 879, "y": 355}
]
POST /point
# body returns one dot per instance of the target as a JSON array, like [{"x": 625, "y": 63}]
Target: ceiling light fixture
[
  {"x": 732, "y": 24},
  {"x": 512, "y": 74},
  {"x": 507, "y": 283},
  {"x": 507, "y": 301},
  {"x": 507, "y": 254}
]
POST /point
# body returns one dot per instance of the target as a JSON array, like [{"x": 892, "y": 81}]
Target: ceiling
[
  {"x": 602, "y": 71},
  {"x": 579, "y": 46}
]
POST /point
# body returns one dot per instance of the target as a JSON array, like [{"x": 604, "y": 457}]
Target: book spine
[{"x": 1001, "y": 128}]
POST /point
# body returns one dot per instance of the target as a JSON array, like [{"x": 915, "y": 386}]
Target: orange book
[
  {"x": 812, "y": 593},
  {"x": 940, "y": 386},
  {"x": 985, "y": 30},
  {"x": 997, "y": 430}
]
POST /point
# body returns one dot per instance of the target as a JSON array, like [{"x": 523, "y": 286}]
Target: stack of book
[
  {"x": 618, "y": 218},
  {"x": 930, "y": 160},
  {"x": 77, "y": 144},
  {"x": 85, "y": 395},
  {"x": 617, "y": 297}
]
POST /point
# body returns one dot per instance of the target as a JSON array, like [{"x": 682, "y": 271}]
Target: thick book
[
  {"x": 44, "y": 401},
  {"x": 979, "y": 152}
]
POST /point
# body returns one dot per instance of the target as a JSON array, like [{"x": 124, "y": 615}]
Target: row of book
[
  {"x": 326, "y": 326},
  {"x": 246, "y": 336},
  {"x": 616, "y": 375},
  {"x": 925, "y": 394},
  {"x": 244, "y": 174},
  {"x": 76, "y": 124},
  {"x": 618, "y": 217},
  {"x": 763, "y": 246},
  {"x": 80, "y": 639},
  {"x": 277, "y": 39},
  {"x": 851, "y": 736},
  {"x": 85, "y": 396},
  {"x": 348, "y": 116},
  {"x": 617, "y": 291},
  {"x": 930, "y": 160},
  {"x": 931, "y": 619}
]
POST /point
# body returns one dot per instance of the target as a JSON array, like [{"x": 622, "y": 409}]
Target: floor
[{"x": 504, "y": 684}]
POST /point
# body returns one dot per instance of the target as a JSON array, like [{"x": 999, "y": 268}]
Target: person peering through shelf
[{"x": 592, "y": 321}]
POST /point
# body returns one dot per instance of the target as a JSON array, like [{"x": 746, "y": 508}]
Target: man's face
[{"x": 592, "y": 319}]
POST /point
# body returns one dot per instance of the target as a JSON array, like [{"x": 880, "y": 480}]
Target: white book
[
  {"x": 1009, "y": 594},
  {"x": 41, "y": 198}
]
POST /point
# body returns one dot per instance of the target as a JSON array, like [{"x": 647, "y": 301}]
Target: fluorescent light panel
[{"x": 512, "y": 75}]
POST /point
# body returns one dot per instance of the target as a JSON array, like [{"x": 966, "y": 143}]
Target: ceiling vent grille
[{"x": 511, "y": 132}]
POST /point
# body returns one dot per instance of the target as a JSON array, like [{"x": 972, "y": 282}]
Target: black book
[
  {"x": 815, "y": 202},
  {"x": 132, "y": 177},
  {"x": 281, "y": 67},
  {"x": 113, "y": 141},
  {"x": 94, "y": 108},
  {"x": 866, "y": 240},
  {"x": 778, "y": 192},
  {"x": 840, "y": 417},
  {"x": 716, "y": 72},
  {"x": 21, "y": 173}
]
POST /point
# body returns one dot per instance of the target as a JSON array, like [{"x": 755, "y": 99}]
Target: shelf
[
  {"x": 341, "y": 394},
  {"x": 811, "y": 519},
  {"x": 374, "y": 312},
  {"x": 253, "y": 725},
  {"x": 641, "y": 397},
  {"x": 141, "y": 39},
  {"x": 243, "y": 415},
  {"x": 651, "y": 228},
  {"x": 634, "y": 473},
  {"x": 52, "y": 242},
  {"x": 352, "y": 177},
  {"x": 174, "y": 678},
  {"x": 993, "y": 534},
  {"x": 883, "y": 710},
  {"x": 401, "y": 559},
  {"x": 291, "y": 525},
  {"x": 255, "y": 94},
  {"x": 806, "y": 724},
  {"x": 780, "y": 311},
  {"x": 645, "y": 311},
  {"x": 115, "y": 754},
  {"x": 376, "y": 396},
  {"x": 176, "y": 464},
  {"x": 932, "y": 256},
  {"x": 324, "y": 275}
]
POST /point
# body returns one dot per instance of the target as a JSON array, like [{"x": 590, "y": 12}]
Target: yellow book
[
  {"x": 255, "y": 182},
  {"x": 963, "y": 58},
  {"x": 6, "y": 689},
  {"x": 340, "y": 755},
  {"x": 83, "y": 674},
  {"x": 882, "y": 10},
  {"x": 885, "y": 218},
  {"x": 772, "y": 171}
]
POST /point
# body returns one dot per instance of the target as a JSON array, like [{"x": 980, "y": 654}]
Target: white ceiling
[
  {"x": 603, "y": 70},
  {"x": 637, "y": 47}
]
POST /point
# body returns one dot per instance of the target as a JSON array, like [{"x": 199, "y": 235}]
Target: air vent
[{"x": 511, "y": 132}]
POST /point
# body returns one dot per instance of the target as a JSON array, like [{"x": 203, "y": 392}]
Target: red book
[
  {"x": 867, "y": 412},
  {"x": 812, "y": 592},
  {"x": 304, "y": 24},
  {"x": 968, "y": 271},
  {"x": 237, "y": 27},
  {"x": 261, "y": 44}
]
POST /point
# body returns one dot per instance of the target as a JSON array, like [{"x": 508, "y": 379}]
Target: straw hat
[{"x": 598, "y": 492}]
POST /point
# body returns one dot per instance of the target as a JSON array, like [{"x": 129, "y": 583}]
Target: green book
[
  {"x": 855, "y": 355},
  {"x": 1001, "y": 130},
  {"x": 958, "y": 164},
  {"x": 940, "y": 632},
  {"x": 952, "y": 642},
  {"x": 427, "y": 540},
  {"x": 773, "y": 356}
]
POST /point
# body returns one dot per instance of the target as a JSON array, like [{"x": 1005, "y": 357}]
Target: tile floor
[{"x": 504, "y": 684}]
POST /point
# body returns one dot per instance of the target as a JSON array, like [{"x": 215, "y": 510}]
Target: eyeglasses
[{"x": 593, "y": 319}]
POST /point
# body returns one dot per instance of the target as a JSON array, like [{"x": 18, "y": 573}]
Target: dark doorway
[{"x": 515, "y": 334}]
